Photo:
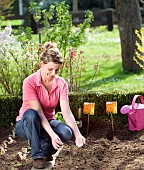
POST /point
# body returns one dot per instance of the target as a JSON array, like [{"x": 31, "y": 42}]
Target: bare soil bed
[{"x": 104, "y": 150}]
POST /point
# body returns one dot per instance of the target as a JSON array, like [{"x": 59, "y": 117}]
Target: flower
[
  {"x": 5, "y": 38},
  {"x": 72, "y": 54},
  {"x": 95, "y": 67},
  {"x": 73, "y": 85},
  {"x": 73, "y": 75}
]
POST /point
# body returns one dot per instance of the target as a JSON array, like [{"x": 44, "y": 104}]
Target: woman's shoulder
[{"x": 34, "y": 77}]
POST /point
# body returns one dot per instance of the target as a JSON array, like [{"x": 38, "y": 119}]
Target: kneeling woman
[{"x": 36, "y": 122}]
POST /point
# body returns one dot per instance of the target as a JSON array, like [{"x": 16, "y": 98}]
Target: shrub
[
  {"x": 18, "y": 60},
  {"x": 9, "y": 108},
  {"x": 19, "y": 52},
  {"x": 10, "y": 105}
]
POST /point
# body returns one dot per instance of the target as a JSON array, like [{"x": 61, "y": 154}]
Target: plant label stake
[
  {"x": 79, "y": 113},
  {"x": 111, "y": 108},
  {"x": 79, "y": 116},
  {"x": 89, "y": 110}
]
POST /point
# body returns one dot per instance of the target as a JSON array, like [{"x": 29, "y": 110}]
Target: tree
[{"x": 129, "y": 20}]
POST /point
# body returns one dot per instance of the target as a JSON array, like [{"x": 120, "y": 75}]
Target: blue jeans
[{"x": 30, "y": 128}]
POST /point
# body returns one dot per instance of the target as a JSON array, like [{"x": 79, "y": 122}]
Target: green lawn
[
  {"x": 103, "y": 47},
  {"x": 17, "y": 22}
]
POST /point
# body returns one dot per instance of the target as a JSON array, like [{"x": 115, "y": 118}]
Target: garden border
[{"x": 10, "y": 105}]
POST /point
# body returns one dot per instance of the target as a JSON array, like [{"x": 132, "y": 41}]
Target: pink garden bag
[{"x": 135, "y": 113}]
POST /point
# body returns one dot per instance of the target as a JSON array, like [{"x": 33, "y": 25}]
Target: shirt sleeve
[
  {"x": 64, "y": 92},
  {"x": 29, "y": 90}
]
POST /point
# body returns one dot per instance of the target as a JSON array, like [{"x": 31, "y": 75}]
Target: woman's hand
[
  {"x": 56, "y": 142},
  {"x": 80, "y": 141}
]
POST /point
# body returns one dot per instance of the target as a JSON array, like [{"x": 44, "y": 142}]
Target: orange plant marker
[
  {"x": 111, "y": 107},
  {"x": 88, "y": 108}
]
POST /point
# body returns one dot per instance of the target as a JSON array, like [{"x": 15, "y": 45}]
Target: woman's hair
[{"x": 51, "y": 53}]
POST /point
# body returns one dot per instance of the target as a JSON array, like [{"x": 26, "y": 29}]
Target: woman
[{"x": 36, "y": 122}]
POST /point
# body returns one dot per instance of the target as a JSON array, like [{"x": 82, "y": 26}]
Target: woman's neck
[{"x": 46, "y": 81}]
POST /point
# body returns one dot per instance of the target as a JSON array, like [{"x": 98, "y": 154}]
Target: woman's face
[{"x": 49, "y": 70}]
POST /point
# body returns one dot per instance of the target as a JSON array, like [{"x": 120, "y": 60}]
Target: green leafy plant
[
  {"x": 73, "y": 69},
  {"x": 59, "y": 116},
  {"x": 58, "y": 27}
]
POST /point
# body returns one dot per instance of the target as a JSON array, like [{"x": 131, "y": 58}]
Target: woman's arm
[
  {"x": 45, "y": 124},
  {"x": 70, "y": 121}
]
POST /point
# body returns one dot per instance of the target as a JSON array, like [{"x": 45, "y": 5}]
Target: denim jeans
[{"x": 30, "y": 128}]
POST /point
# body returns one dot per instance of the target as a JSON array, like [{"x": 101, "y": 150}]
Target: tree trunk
[
  {"x": 106, "y": 4},
  {"x": 129, "y": 20}
]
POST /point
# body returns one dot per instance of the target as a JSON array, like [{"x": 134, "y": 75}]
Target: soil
[{"x": 104, "y": 150}]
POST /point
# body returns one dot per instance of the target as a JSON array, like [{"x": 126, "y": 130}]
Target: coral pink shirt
[{"x": 33, "y": 89}]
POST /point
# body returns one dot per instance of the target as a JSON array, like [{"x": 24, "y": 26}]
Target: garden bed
[{"x": 124, "y": 150}]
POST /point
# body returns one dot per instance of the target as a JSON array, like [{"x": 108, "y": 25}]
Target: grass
[
  {"x": 103, "y": 47},
  {"x": 17, "y": 22}
]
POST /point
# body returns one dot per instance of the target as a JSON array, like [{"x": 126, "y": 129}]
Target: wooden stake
[
  {"x": 79, "y": 113},
  {"x": 112, "y": 120},
  {"x": 88, "y": 125}
]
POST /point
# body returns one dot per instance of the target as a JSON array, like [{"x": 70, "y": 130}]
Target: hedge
[{"x": 10, "y": 105}]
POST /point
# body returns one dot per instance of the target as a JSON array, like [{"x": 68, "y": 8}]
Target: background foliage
[
  {"x": 6, "y": 7},
  {"x": 20, "y": 59}
]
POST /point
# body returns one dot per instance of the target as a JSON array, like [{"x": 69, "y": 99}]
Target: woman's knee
[
  {"x": 31, "y": 115},
  {"x": 65, "y": 132},
  {"x": 19, "y": 131}
]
